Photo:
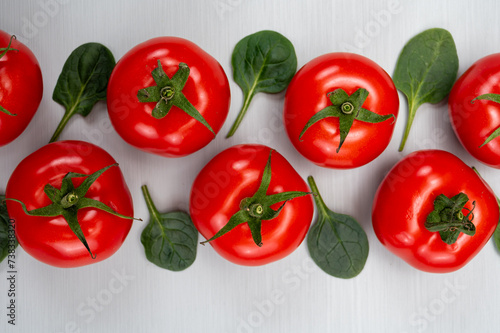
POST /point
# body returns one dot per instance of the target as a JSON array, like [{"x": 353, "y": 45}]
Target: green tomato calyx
[
  {"x": 67, "y": 200},
  {"x": 255, "y": 209},
  {"x": 168, "y": 92},
  {"x": 347, "y": 108},
  {"x": 448, "y": 218}
]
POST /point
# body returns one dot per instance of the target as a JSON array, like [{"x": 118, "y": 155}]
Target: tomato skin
[
  {"x": 49, "y": 239},
  {"x": 21, "y": 88},
  {"x": 405, "y": 198},
  {"x": 235, "y": 174},
  {"x": 473, "y": 123},
  {"x": 177, "y": 134},
  {"x": 307, "y": 94}
]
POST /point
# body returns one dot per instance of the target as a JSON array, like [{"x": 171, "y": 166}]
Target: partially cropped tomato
[
  {"x": 37, "y": 182},
  {"x": 21, "y": 87},
  {"x": 340, "y": 110},
  {"x": 167, "y": 96},
  {"x": 434, "y": 211},
  {"x": 251, "y": 205},
  {"x": 474, "y": 109}
]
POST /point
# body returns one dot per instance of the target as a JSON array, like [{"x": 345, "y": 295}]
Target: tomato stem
[
  {"x": 448, "y": 219},
  {"x": 8, "y": 48}
]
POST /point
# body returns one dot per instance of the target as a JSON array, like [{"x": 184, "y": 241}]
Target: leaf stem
[
  {"x": 317, "y": 196},
  {"x": 149, "y": 202},
  {"x": 67, "y": 116},
  {"x": 412, "y": 107},
  {"x": 242, "y": 113}
]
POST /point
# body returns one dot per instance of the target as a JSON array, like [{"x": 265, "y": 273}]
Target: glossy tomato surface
[
  {"x": 307, "y": 94},
  {"x": 406, "y": 197},
  {"x": 49, "y": 239},
  {"x": 235, "y": 174},
  {"x": 473, "y": 122},
  {"x": 177, "y": 134},
  {"x": 21, "y": 88}
]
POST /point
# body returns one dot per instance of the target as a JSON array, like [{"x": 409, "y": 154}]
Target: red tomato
[
  {"x": 473, "y": 122},
  {"x": 21, "y": 88},
  {"x": 235, "y": 174},
  {"x": 406, "y": 198},
  {"x": 307, "y": 94},
  {"x": 49, "y": 239},
  {"x": 177, "y": 134}
]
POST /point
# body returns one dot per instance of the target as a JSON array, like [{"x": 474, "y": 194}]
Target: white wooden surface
[{"x": 126, "y": 293}]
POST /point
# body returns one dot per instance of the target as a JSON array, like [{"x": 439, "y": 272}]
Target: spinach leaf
[
  {"x": 262, "y": 62},
  {"x": 6, "y": 243},
  {"x": 426, "y": 70},
  {"x": 83, "y": 81},
  {"x": 496, "y": 237},
  {"x": 496, "y": 234},
  {"x": 170, "y": 240},
  {"x": 336, "y": 242}
]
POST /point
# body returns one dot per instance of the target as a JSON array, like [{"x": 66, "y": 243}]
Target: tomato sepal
[
  {"x": 68, "y": 200},
  {"x": 4, "y": 51},
  {"x": 494, "y": 98},
  {"x": 347, "y": 108},
  {"x": 255, "y": 209},
  {"x": 447, "y": 217},
  {"x": 168, "y": 93}
]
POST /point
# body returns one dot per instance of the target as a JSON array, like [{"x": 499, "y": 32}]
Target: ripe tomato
[
  {"x": 223, "y": 184},
  {"x": 21, "y": 88},
  {"x": 408, "y": 195},
  {"x": 474, "y": 121},
  {"x": 176, "y": 133},
  {"x": 308, "y": 94},
  {"x": 50, "y": 239}
]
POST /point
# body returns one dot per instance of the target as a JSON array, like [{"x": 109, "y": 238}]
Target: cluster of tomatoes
[{"x": 339, "y": 112}]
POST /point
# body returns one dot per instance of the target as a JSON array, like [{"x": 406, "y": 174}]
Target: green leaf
[
  {"x": 426, "y": 70},
  {"x": 170, "y": 240},
  {"x": 83, "y": 81},
  {"x": 8, "y": 240},
  {"x": 496, "y": 236},
  {"x": 337, "y": 243},
  {"x": 262, "y": 62}
]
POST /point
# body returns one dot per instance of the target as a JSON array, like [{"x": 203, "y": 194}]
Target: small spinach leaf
[
  {"x": 426, "y": 70},
  {"x": 262, "y": 62},
  {"x": 336, "y": 242},
  {"x": 83, "y": 81},
  {"x": 8, "y": 239},
  {"x": 170, "y": 240}
]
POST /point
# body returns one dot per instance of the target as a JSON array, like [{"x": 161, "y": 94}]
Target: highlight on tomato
[
  {"x": 70, "y": 204},
  {"x": 474, "y": 109},
  {"x": 340, "y": 110},
  {"x": 167, "y": 96},
  {"x": 251, "y": 205},
  {"x": 434, "y": 211},
  {"x": 21, "y": 87}
]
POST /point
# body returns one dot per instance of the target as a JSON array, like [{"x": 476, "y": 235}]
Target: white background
[{"x": 214, "y": 295}]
